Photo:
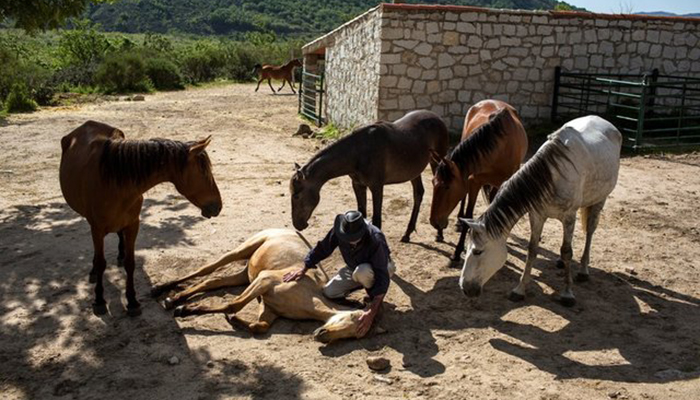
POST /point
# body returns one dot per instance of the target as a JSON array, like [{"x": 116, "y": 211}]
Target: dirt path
[{"x": 633, "y": 334}]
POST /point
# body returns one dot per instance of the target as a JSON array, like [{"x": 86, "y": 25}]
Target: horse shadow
[
  {"x": 45, "y": 303},
  {"x": 622, "y": 329}
]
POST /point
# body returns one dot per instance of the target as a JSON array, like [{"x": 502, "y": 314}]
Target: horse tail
[
  {"x": 584, "y": 212},
  {"x": 256, "y": 68}
]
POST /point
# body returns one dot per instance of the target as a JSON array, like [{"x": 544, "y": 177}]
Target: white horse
[{"x": 575, "y": 169}]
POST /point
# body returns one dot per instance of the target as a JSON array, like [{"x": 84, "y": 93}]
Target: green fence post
[
  {"x": 320, "y": 101},
  {"x": 640, "y": 115},
  {"x": 555, "y": 96}
]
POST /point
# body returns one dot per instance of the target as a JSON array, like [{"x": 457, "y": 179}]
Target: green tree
[{"x": 33, "y": 15}]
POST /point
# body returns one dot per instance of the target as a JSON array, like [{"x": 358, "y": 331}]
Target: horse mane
[
  {"x": 135, "y": 161},
  {"x": 478, "y": 145},
  {"x": 528, "y": 189}
]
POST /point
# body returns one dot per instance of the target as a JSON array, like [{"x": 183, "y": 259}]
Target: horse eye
[{"x": 477, "y": 252}]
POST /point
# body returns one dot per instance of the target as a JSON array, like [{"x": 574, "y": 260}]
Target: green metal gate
[
  {"x": 311, "y": 94},
  {"x": 651, "y": 110}
]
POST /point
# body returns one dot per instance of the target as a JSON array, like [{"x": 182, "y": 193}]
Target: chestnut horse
[
  {"x": 283, "y": 73},
  {"x": 271, "y": 254},
  {"x": 103, "y": 178},
  {"x": 493, "y": 145},
  {"x": 379, "y": 154}
]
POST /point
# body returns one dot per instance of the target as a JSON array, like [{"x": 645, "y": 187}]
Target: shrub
[
  {"x": 19, "y": 100},
  {"x": 164, "y": 74},
  {"x": 202, "y": 62},
  {"x": 123, "y": 73}
]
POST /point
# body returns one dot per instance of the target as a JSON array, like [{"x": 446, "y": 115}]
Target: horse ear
[
  {"x": 473, "y": 224},
  {"x": 199, "y": 147},
  {"x": 297, "y": 166},
  {"x": 435, "y": 156}
]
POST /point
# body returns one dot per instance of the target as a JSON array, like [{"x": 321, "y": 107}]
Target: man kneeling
[{"x": 366, "y": 253}]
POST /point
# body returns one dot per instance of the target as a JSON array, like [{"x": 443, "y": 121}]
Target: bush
[
  {"x": 164, "y": 74},
  {"x": 19, "y": 100},
  {"x": 123, "y": 73}
]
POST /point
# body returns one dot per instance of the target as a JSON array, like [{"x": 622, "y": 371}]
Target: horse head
[
  {"x": 305, "y": 198},
  {"x": 448, "y": 189},
  {"x": 196, "y": 181},
  {"x": 342, "y": 325},
  {"x": 485, "y": 256}
]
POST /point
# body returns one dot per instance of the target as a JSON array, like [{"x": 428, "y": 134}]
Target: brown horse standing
[
  {"x": 103, "y": 178},
  {"x": 493, "y": 146},
  {"x": 373, "y": 156},
  {"x": 282, "y": 73}
]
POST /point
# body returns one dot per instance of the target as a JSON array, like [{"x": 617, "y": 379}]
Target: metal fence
[
  {"x": 651, "y": 110},
  {"x": 311, "y": 94}
]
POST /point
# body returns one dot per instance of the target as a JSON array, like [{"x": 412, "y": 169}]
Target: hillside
[
  {"x": 303, "y": 18},
  {"x": 668, "y": 14}
]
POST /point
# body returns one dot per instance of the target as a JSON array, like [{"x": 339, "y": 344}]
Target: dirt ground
[{"x": 634, "y": 334}]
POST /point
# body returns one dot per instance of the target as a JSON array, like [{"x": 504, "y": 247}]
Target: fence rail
[
  {"x": 651, "y": 110},
  {"x": 311, "y": 93}
]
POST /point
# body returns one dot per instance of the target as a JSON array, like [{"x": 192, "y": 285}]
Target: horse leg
[
  {"x": 269, "y": 82},
  {"x": 238, "y": 279},
  {"x": 265, "y": 319},
  {"x": 284, "y": 82},
  {"x": 291, "y": 85},
  {"x": 258, "y": 87},
  {"x": 257, "y": 288},
  {"x": 361, "y": 196},
  {"x": 418, "y": 191},
  {"x": 377, "y": 197},
  {"x": 469, "y": 213},
  {"x": 120, "y": 256},
  {"x": 459, "y": 226},
  {"x": 536, "y": 225},
  {"x": 133, "y": 308},
  {"x": 99, "y": 264},
  {"x": 567, "y": 296},
  {"x": 590, "y": 219}
]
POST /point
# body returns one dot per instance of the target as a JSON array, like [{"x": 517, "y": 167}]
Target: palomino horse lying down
[
  {"x": 271, "y": 254},
  {"x": 576, "y": 169}
]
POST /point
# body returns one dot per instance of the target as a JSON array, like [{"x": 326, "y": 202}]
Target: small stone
[
  {"x": 378, "y": 363},
  {"x": 174, "y": 360},
  {"x": 304, "y": 130},
  {"x": 138, "y": 97},
  {"x": 383, "y": 379},
  {"x": 210, "y": 364}
]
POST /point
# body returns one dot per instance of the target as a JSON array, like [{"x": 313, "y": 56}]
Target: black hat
[{"x": 350, "y": 227}]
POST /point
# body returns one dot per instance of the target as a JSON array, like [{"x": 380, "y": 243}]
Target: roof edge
[
  {"x": 554, "y": 14},
  {"x": 328, "y": 39}
]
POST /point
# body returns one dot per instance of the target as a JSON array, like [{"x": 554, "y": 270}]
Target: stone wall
[
  {"x": 399, "y": 57},
  {"x": 447, "y": 58},
  {"x": 352, "y": 55}
]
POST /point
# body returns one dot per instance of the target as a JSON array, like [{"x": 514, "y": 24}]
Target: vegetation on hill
[{"x": 301, "y": 18}]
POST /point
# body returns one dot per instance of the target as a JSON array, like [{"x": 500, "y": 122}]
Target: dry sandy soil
[{"x": 634, "y": 334}]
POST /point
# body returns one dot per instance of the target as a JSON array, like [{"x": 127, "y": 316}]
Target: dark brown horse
[
  {"x": 373, "y": 156},
  {"x": 493, "y": 145},
  {"x": 283, "y": 73},
  {"x": 103, "y": 178}
]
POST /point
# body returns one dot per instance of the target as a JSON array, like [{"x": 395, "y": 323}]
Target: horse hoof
[
  {"x": 93, "y": 278},
  {"x": 459, "y": 227},
  {"x": 405, "y": 239},
  {"x": 180, "y": 311},
  {"x": 133, "y": 311},
  {"x": 568, "y": 301},
  {"x": 455, "y": 264},
  {"x": 560, "y": 264},
  {"x": 99, "y": 309},
  {"x": 581, "y": 277},
  {"x": 440, "y": 239},
  {"x": 516, "y": 297},
  {"x": 168, "y": 303},
  {"x": 157, "y": 290},
  {"x": 120, "y": 262}
]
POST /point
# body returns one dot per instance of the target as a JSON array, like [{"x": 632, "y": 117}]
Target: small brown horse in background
[
  {"x": 380, "y": 154},
  {"x": 493, "y": 146},
  {"x": 103, "y": 178},
  {"x": 283, "y": 73}
]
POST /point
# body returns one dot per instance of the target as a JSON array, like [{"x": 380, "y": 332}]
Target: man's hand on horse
[
  {"x": 366, "y": 320},
  {"x": 294, "y": 275}
]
